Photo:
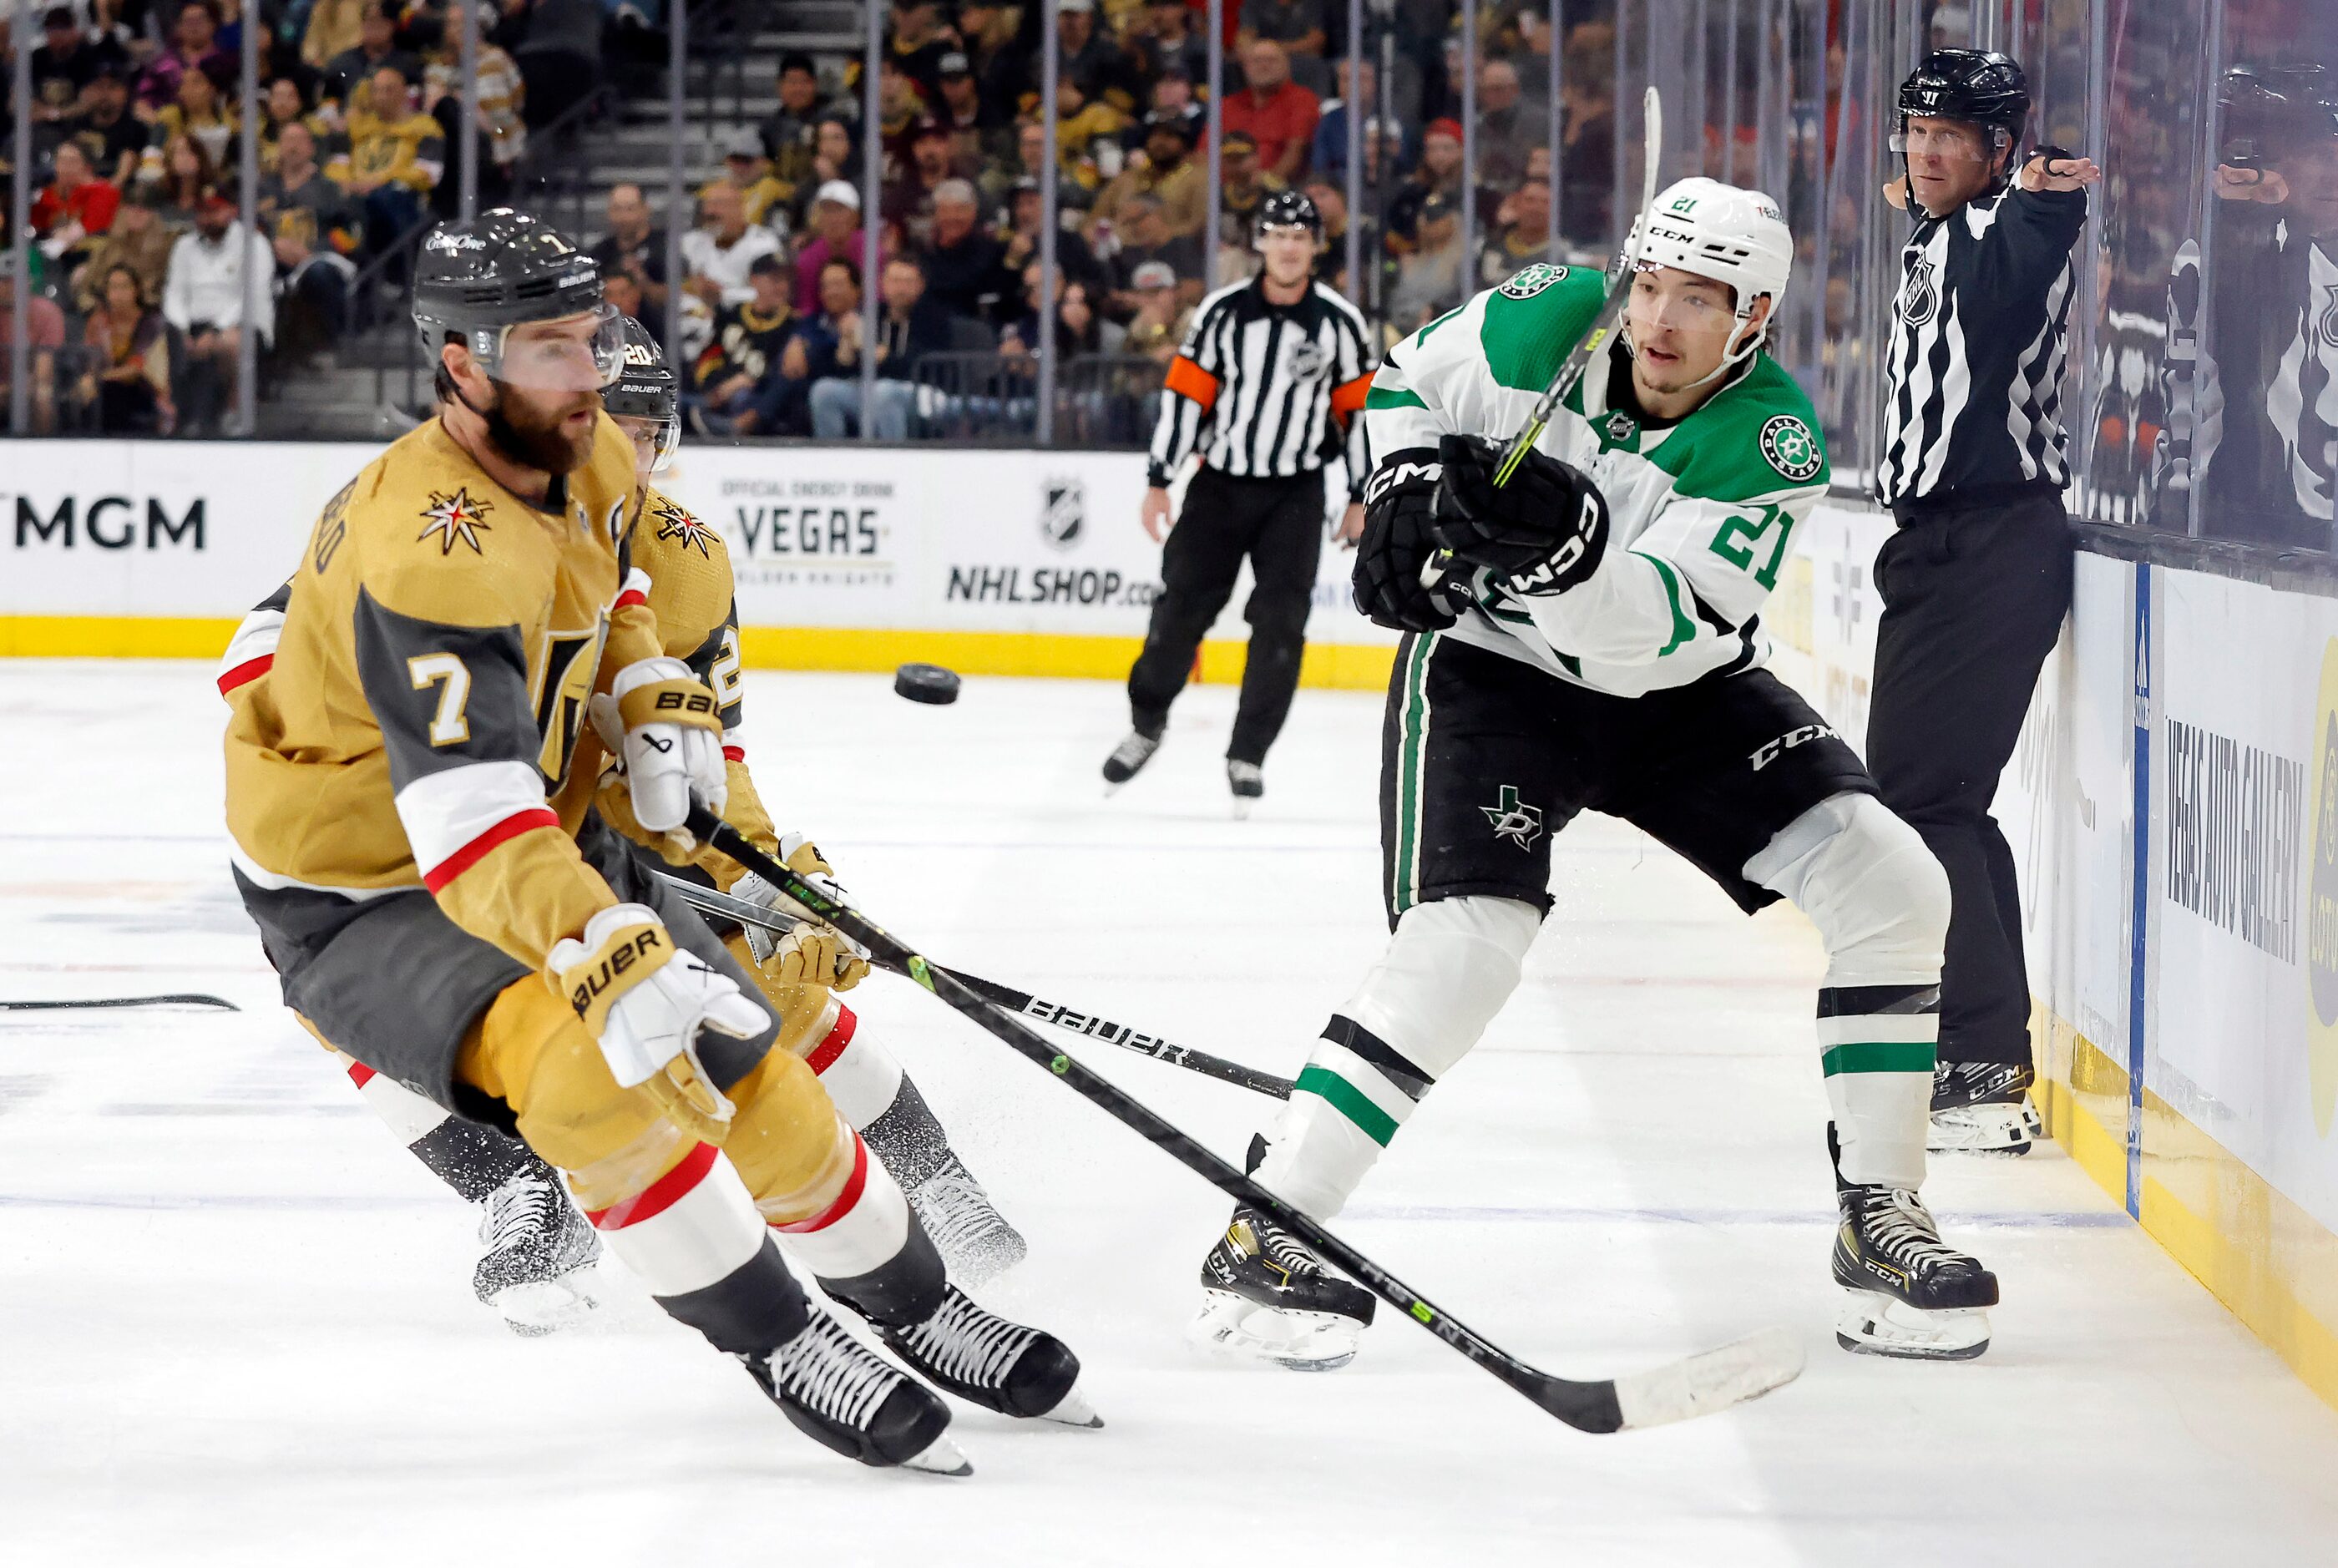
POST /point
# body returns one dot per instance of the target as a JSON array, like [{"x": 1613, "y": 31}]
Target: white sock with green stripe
[
  {"x": 1875, "y": 1047},
  {"x": 1447, "y": 969},
  {"x": 1881, "y": 901}
]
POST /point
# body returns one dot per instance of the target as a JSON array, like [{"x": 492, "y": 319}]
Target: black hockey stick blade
[
  {"x": 707, "y": 901},
  {"x": 1698, "y": 1385},
  {"x": 175, "y": 999}
]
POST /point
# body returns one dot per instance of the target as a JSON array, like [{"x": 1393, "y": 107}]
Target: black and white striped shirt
[
  {"x": 1267, "y": 391},
  {"x": 1973, "y": 386}
]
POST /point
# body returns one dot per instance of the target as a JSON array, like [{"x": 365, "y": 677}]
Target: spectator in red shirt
[
  {"x": 74, "y": 213},
  {"x": 1275, "y": 110}
]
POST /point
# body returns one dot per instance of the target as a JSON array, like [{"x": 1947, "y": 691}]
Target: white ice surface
[{"x": 236, "y": 1324}]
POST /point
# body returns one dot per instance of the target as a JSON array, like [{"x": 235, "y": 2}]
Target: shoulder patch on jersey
[
  {"x": 673, "y": 523},
  {"x": 1525, "y": 336},
  {"x": 1529, "y": 281},
  {"x": 1792, "y": 449},
  {"x": 449, "y": 518}
]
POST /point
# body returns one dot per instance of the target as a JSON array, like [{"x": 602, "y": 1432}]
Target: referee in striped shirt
[
  {"x": 1977, "y": 577},
  {"x": 1271, "y": 381}
]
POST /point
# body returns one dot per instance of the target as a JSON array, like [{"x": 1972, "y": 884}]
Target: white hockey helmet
[{"x": 1724, "y": 232}]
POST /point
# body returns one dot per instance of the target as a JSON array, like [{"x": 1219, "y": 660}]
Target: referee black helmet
[
  {"x": 1979, "y": 86},
  {"x": 1288, "y": 210},
  {"x": 2273, "y": 111}
]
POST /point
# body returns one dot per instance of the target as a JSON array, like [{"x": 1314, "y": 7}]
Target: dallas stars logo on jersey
[
  {"x": 1521, "y": 824},
  {"x": 673, "y": 523},
  {"x": 453, "y": 518},
  {"x": 1790, "y": 449}
]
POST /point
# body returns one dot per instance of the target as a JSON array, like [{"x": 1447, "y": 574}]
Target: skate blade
[
  {"x": 1074, "y": 1410},
  {"x": 1297, "y": 1341},
  {"x": 1874, "y": 1324},
  {"x": 1714, "y": 1380},
  {"x": 2000, "y": 1130},
  {"x": 940, "y": 1457},
  {"x": 542, "y": 1306}
]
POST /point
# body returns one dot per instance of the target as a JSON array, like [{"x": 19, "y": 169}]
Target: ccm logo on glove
[
  {"x": 614, "y": 964},
  {"x": 1396, "y": 472}
]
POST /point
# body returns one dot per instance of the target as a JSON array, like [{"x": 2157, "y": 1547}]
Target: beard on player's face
[{"x": 533, "y": 429}]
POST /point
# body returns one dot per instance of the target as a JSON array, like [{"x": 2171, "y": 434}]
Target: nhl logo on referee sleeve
[
  {"x": 1790, "y": 449},
  {"x": 1529, "y": 281}
]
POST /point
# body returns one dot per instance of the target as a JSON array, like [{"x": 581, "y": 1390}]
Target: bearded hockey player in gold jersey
[
  {"x": 415, "y": 836},
  {"x": 537, "y": 1266}
]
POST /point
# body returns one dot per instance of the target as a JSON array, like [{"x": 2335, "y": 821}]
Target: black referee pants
[
  {"x": 1279, "y": 524},
  {"x": 1973, "y": 599}
]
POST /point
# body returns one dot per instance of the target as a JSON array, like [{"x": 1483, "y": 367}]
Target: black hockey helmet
[
  {"x": 1980, "y": 86},
  {"x": 2269, "y": 112},
  {"x": 647, "y": 388},
  {"x": 1288, "y": 210},
  {"x": 502, "y": 270}
]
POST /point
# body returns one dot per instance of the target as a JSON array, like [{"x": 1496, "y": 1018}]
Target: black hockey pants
[
  {"x": 1279, "y": 524},
  {"x": 1974, "y": 592}
]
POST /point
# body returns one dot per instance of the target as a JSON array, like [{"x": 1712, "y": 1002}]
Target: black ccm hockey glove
[
  {"x": 1398, "y": 501},
  {"x": 1545, "y": 531}
]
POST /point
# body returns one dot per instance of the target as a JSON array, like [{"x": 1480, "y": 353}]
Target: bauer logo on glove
[{"x": 667, "y": 727}]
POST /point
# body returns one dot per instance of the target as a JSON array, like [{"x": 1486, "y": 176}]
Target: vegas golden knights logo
[{"x": 568, "y": 668}]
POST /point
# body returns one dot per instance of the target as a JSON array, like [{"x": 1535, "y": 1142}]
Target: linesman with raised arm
[{"x": 1977, "y": 578}]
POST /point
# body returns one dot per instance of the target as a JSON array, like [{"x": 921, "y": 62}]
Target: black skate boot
[
  {"x": 972, "y": 1235},
  {"x": 1983, "y": 1107},
  {"x": 989, "y": 1361},
  {"x": 538, "y": 1266},
  {"x": 1911, "y": 1294},
  {"x": 1129, "y": 756},
  {"x": 1248, "y": 783},
  {"x": 846, "y": 1396},
  {"x": 1264, "y": 1294}
]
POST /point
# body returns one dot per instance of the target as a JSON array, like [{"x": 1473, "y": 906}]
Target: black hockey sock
[
  {"x": 475, "y": 1160},
  {"x": 905, "y": 1289},
  {"x": 750, "y": 1312},
  {"x": 907, "y": 1137}
]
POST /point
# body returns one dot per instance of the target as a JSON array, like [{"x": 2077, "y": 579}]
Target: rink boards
[
  {"x": 847, "y": 557},
  {"x": 2173, "y": 810}
]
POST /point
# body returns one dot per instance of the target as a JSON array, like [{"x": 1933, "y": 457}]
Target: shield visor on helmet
[
  {"x": 523, "y": 300},
  {"x": 645, "y": 399},
  {"x": 1731, "y": 235}
]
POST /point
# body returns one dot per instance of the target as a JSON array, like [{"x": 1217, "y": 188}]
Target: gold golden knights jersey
[
  {"x": 426, "y": 691},
  {"x": 694, "y": 600}
]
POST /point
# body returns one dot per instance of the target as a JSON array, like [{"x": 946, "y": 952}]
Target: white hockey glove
[
  {"x": 646, "y": 998},
  {"x": 667, "y": 727},
  {"x": 801, "y": 856}
]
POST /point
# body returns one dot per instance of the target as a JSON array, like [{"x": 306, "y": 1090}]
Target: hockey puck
[{"x": 925, "y": 684}]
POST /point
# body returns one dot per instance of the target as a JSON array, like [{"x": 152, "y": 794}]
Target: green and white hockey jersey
[{"x": 1703, "y": 510}]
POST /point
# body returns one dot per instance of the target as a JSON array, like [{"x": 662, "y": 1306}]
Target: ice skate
[
  {"x": 1128, "y": 758},
  {"x": 1248, "y": 783},
  {"x": 1264, "y": 1295},
  {"x": 844, "y": 1397},
  {"x": 1911, "y": 1295},
  {"x": 1983, "y": 1107},
  {"x": 973, "y": 1237},
  {"x": 989, "y": 1361},
  {"x": 538, "y": 1268}
]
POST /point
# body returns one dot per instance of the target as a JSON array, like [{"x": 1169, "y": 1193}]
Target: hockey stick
[
  {"x": 707, "y": 901},
  {"x": 187, "y": 999},
  {"x": 1698, "y": 1385},
  {"x": 1571, "y": 370}
]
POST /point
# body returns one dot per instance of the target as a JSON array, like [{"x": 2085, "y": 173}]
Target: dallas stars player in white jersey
[{"x": 1592, "y": 641}]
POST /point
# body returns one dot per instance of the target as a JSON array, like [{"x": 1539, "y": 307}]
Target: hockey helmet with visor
[
  {"x": 645, "y": 399},
  {"x": 525, "y": 301},
  {"x": 1731, "y": 235}
]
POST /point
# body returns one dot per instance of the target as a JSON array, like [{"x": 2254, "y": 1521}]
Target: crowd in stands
[
  {"x": 136, "y": 149},
  {"x": 772, "y": 292},
  {"x": 136, "y": 240}
]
